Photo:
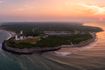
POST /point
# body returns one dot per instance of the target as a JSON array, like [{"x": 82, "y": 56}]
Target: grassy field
[
  {"x": 32, "y": 40},
  {"x": 50, "y": 41}
]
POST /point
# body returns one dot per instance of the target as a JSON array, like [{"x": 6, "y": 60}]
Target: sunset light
[
  {"x": 51, "y": 10},
  {"x": 52, "y": 34}
]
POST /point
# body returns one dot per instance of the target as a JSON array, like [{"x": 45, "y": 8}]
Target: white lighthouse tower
[{"x": 20, "y": 36}]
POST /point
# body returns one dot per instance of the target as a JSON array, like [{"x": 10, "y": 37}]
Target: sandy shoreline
[
  {"x": 90, "y": 57},
  {"x": 65, "y": 52},
  {"x": 68, "y": 51},
  {"x": 10, "y": 33}
]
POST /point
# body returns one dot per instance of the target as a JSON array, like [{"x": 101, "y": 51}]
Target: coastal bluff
[
  {"x": 41, "y": 50},
  {"x": 27, "y": 50}
]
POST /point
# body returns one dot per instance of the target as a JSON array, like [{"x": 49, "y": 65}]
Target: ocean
[{"x": 91, "y": 57}]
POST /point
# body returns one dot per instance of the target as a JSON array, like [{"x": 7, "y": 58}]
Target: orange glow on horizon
[{"x": 55, "y": 9}]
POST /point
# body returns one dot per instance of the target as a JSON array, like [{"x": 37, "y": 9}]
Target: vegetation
[
  {"x": 54, "y": 41},
  {"x": 39, "y": 27},
  {"x": 50, "y": 41}
]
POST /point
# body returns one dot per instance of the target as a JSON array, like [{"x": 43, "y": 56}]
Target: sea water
[
  {"x": 9, "y": 61},
  {"x": 85, "y": 59}
]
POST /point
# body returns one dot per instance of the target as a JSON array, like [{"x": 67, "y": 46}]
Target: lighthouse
[{"x": 20, "y": 36}]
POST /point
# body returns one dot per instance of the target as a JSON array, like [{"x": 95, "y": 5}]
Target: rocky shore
[{"x": 27, "y": 50}]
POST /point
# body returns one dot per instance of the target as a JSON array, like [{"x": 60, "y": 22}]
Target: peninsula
[{"x": 29, "y": 39}]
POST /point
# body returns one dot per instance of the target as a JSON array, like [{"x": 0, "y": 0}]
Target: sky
[{"x": 52, "y": 10}]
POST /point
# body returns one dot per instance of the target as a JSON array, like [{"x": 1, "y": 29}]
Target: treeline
[{"x": 41, "y": 26}]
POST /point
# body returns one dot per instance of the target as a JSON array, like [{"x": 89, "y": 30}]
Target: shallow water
[{"x": 92, "y": 58}]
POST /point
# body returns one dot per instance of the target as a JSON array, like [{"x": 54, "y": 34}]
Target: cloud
[
  {"x": 95, "y": 8},
  {"x": 1, "y": 1}
]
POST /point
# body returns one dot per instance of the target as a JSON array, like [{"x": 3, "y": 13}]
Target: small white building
[{"x": 20, "y": 36}]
